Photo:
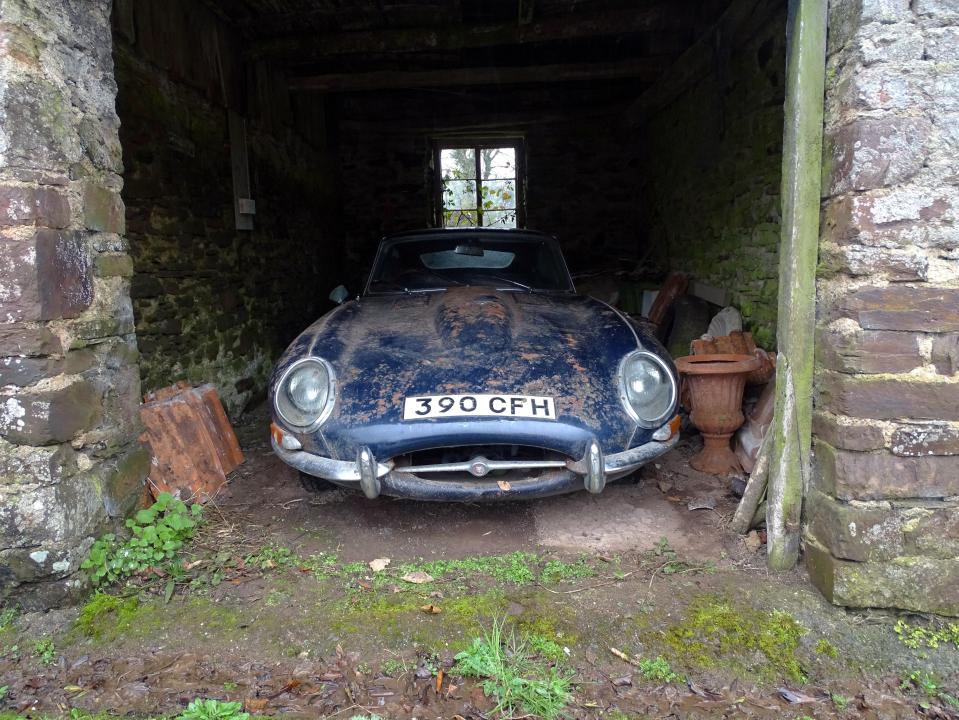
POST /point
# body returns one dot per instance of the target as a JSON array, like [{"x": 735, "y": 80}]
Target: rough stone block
[
  {"x": 941, "y": 12},
  {"x": 64, "y": 277},
  {"x": 942, "y": 44},
  {"x": 847, "y": 433},
  {"x": 40, "y": 206},
  {"x": 876, "y": 88},
  {"x": 886, "y": 398},
  {"x": 22, "y": 464},
  {"x": 851, "y": 475},
  {"x": 854, "y": 532},
  {"x": 893, "y": 218},
  {"x": 897, "y": 44},
  {"x": 45, "y": 278},
  {"x": 895, "y": 264},
  {"x": 871, "y": 153},
  {"x": 49, "y": 416},
  {"x": 896, "y": 307},
  {"x": 114, "y": 265},
  {"x": 28, "y": 341},
  {"x": 928, "y": 439},
  {"x": 123, "y": 481},
  {"x": 851, "y": 350},
  {"x": 102, "y": 209},
  {"x": 909, "y": 583},
  {"x": 846, "y": 17},
  {"x": 945, "y": 353},
  {"x": 38, "y": 123}
]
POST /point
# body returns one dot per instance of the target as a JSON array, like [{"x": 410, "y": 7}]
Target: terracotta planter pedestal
[{"x": 716, "y": 384}]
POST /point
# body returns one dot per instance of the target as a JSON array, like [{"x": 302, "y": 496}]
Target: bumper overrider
[{"x": 376, "y": 478}]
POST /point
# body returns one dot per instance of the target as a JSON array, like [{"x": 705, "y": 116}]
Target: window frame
[{"x": 519, "y": 147}]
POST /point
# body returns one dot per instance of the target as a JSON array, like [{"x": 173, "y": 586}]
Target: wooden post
[{"x": 802, "y": 161}]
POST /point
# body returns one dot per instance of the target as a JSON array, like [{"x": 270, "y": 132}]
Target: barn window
[{"x": 479, "y": 184}]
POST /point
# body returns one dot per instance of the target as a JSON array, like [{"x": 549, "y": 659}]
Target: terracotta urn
[{"x": 716, "y": 384}]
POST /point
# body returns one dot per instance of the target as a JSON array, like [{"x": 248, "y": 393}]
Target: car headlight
[
  {"x": 304, "y": 396},
  {"x": 647, "y": 388}
]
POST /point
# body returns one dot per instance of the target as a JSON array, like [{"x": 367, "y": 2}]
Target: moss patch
[
  {"x": 103, "y": 612},
  {"x": 715, "y": 634}
]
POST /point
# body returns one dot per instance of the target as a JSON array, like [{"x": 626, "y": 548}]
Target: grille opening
[{"x": 465, "y": 453}]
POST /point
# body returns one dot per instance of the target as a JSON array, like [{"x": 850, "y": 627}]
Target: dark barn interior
[{"x": 647, "y": 136}]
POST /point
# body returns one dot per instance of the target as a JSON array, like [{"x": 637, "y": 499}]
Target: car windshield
[{"x": 435, "y": 262}]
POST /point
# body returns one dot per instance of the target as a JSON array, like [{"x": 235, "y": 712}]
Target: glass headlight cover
[
  {"x": 304, "y": 396},
  {"x": 647, "y": 388}
]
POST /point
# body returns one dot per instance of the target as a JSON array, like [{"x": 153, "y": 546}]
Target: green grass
[
  {"x": 513, "y": 676},
  {"x": 657, "y": 670}
]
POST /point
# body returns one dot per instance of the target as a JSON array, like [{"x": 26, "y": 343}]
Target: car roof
[{"x": 498, "y": 233}]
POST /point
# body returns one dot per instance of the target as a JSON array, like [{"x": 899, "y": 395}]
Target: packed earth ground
[{"x": 636, "y": 603}]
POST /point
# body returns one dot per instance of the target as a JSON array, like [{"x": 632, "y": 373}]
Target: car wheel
[{"x": 313, "y": 484}]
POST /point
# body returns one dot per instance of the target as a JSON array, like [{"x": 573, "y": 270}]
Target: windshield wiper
[{"x": 514, "y": 283}]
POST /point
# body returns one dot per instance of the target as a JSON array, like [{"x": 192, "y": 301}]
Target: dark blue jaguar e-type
[{"x": 470, "y": 369}]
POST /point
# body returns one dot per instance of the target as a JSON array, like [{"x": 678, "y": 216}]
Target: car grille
[{"x": 496, "y": 462}]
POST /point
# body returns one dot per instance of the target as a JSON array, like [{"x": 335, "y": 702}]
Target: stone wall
[
  {"x": 69, "y": 463},
  {"x": 883, "y": 512},
  {"x": 712, "y": 168},
  {"x": 212, "y": 303}
]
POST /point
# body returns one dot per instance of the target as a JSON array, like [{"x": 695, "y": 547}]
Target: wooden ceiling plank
[
  {"x": 647, "y": 69},
  {"x": 302, "y": 47}
]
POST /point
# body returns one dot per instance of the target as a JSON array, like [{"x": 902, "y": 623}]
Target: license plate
[{"x": 516, "y": 406}]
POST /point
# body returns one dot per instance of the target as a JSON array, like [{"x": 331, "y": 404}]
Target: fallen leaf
[
  {"x": 364, "y": 584},
  {"x": 72, "y": 688},
  {"x": 417, "y": 578},
  {"x": 674, "y": 498},
  {"x": 431, "y": 609},
  {"x": 702, "y": 503},
  {"x": 796, "y": 698},
  {"x": 664, "y": 486},
  {"x": 625, "y": 681},
  {"x": 436, "y": 594},
  {"x": 379, "y": 565},
  {"x": 255, "y": 705},
  {"x": 439, "y": 678},
  {"x": 504, "y": 486},
  {"x": 752, "y": 541},
  {"x": 191, "y": 565},
  {"x": 292, "y": 685}
]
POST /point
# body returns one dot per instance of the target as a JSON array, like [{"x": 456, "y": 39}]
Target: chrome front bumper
[{"x": 374, "y": 478}]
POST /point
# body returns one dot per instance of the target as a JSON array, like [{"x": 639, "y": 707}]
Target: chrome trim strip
[
  {"x": 327, "y": 468},
  {"x": 490, "y": 465}
]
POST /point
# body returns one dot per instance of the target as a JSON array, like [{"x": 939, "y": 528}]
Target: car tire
[{"x": 313, "y": 484}]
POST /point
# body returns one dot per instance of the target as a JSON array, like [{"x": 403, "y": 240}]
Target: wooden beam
[
  {"x": 647, "y": 69},
  {"x": 699, "y": 59},
  {"x": 654, "y": 18},
  {"x": 798, "y": 252}
]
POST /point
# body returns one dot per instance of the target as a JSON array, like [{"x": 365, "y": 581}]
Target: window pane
[
  {"x": 459, "y": 194},
  {"x": 498, "y": 162},
  {"x": 499, "y": 194},
  {"x": 459, "y": 218},
  {"x": 458, "y": 163},
  {"x": 499, "y": 218}
]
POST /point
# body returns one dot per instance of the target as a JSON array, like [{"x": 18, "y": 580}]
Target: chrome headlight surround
[
  {"x": 624, "y": 395},
  {"x": 291, "y": 413}
]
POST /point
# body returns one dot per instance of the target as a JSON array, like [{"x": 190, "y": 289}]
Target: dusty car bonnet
[{"x": 384, "y": 348}]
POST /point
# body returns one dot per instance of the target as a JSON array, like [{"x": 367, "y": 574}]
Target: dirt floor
[{"x": 274, "y": 604}]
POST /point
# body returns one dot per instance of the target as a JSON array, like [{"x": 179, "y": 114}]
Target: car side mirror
[{"x": 339, "y": 294}]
